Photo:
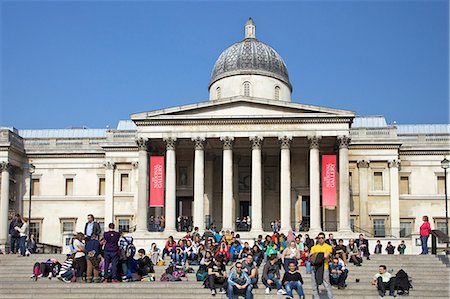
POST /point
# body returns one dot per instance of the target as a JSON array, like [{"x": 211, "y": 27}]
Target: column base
[
  {"x": 313, "y": 232},
  {"x": 345, "y": 232},
  {"x": 257, "y": 231}
]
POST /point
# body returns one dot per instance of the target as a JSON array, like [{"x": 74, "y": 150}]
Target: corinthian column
[
  {"x": 199, "y": 183},
  {"x": 227, "y": 200},
  {"x": 4, "y": 204},
  {"x": 395, "y": 200},
  {"x": 142, "y": 202},
  {"x": 344, "y": 187},
  {"x": 314, "y": 184},
  {"x": 109, "y": 192},
  {"x": 170, "y": 184},
  {"x": 285, "y": 183},
  {"x": 256, "y": 185}
]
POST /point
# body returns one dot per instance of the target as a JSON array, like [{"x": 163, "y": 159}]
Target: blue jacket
[{"x": 234, "y": 250}]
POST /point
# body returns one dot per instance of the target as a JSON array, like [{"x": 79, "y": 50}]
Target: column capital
[
  {"x": 170, "y": 143},
  {"x": 227, "y": 142},
  {"x": 256, "y": 142},
  {"x": 5, "y": 166},
  {"x": 142, "y": 143},
  {"x": 343, "y": 141},
  {"x": 285, "y": 142},
  {"x": 363, "y": 163},
  {"x": 109, "y": 165},
  {"x": 314, "y": 141},
  {"x": 394, "y": 163},
  {"x": 199, "y": 143}
]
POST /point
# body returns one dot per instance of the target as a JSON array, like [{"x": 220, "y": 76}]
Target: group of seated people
[{"x": 212, "y": 251}]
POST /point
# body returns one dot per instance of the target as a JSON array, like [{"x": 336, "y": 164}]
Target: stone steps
[{"x": 15, "y": 282}]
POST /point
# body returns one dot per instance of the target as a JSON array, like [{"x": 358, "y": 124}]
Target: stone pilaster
[
  {"x": 395, "y": 197},
  {"x": 363, "y": 167},
  {"x": 109, "y": 192}
]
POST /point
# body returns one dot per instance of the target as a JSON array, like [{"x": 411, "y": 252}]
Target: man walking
[{"x": 319, "y": 257}]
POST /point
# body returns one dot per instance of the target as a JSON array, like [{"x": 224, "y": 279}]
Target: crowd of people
[{"x": 112, "y": 257}]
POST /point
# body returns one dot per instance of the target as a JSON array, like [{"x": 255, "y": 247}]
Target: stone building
[{"x": 247, "y": 151}]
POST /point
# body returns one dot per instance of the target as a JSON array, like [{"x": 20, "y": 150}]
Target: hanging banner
[
  {"x": 329, "y": 180},
  {"x": 156, "y": 181}
]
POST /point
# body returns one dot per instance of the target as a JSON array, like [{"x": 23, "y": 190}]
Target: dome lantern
[{"x": 250, "y": 29}]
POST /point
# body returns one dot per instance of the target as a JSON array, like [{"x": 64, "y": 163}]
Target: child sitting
[{"x": 66, "y": 272}]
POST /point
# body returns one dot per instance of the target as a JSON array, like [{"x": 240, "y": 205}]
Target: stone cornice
[
  {"x": 374, "y": 146},
  {"x": 67, "y": 155},
  {"x": 425, "y": 152},
  {"x": 209, "y": 122}
]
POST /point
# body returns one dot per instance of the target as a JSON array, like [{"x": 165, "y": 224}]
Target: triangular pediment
[{"x": 242, "y": 108}]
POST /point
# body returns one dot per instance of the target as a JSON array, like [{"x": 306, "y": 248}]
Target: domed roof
[{"x": 250, "y": 57}]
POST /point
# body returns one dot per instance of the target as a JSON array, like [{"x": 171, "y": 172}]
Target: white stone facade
[{"x": 233, "y": 156}]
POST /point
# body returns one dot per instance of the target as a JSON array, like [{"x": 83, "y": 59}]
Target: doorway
[{"x": 184, "y": 213}]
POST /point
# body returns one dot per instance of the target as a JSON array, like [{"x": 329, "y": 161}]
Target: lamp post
[
  {"x": 445, "y": 164},
  {"x": 31, "y": 169}
]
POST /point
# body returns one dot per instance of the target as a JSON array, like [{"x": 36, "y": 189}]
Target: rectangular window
[
  {"x": 352, "y": 224},
  {"x": 68, "y": 229},
  {"x": 124, "y": 224},
  {"x": 101, "y": 186},
  {"x": 441, "y": 184},
  {"x": 377, "y": 181},
  {"x": 35, "y": 187},
  {"x": 124, "y": 186},
  {"x": 440, "y": 225},
  {"x": 35, "y": 230},
  {"x": 379, "y": 228},
  {"x": 404, "y": 185},
  {"x": 69, "y": 187},
  {"x": 405, "y": 228}
]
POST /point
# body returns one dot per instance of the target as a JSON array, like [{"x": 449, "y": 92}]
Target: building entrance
[{"x": 184, "y": 213}]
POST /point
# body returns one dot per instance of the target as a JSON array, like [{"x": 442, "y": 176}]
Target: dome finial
[{"x": 250, "y": 29}]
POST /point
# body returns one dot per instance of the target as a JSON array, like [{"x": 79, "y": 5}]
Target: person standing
[
  {"x": 319, "y": 257},
  {"x": 92, "y": 261},
  {"x": 22, "y": 229},
  {"x": 14, "y": 234},
  {"x": 425, "y": 230},
  {"x": 111, "y": 252},
  {"x": 92, "y": 227},
  {"x": 80, "y": 256}
]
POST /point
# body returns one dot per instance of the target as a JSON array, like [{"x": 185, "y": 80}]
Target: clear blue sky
[{"x": 93, "y": 63}]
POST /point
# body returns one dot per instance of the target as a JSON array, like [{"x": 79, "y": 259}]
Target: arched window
[
  {"x": 277, "y": 92},
  {"x": 218, "y": 93},
  {"x": 246, "y": 89}
]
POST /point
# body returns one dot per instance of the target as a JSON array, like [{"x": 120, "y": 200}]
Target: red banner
[
  {"x": 157, "y": 181},
  {"x": 329, "y": 180}
]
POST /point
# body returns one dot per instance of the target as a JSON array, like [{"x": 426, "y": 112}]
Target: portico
[{"x": 252, "y": 160}]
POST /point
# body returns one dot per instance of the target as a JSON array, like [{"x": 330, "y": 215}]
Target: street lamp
[
  {"x": 31, "y": 169},
  {"x": 445, "y": 164}
]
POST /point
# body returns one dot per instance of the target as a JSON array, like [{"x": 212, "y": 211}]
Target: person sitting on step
[
  {"x": 239, "y": 283},
  {"x": 292, "y": 280},
  {"x": 338, "y": 273},
  {"x": 217, "y": 275},
  {"x": 383, "y": 280},
  {"x": 271, "y": 275}
]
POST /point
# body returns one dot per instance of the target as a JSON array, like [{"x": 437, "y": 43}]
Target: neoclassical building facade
[{"x": 247, "y": 151}]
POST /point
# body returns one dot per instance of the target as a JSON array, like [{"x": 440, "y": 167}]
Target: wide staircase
[{"x": 430, "y": 279}]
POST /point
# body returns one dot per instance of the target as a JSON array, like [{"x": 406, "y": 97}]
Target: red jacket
[{"x": 425, "y": 229}]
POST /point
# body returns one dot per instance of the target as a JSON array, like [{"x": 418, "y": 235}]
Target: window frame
[{"x": 39, "y": 230}]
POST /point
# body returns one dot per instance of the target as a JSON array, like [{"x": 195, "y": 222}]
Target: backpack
[
  {"x": 178, "y": 273},
  {"x": 201, "y": 275},
  {"x": 36, "y": 270},
  {"x": 168, "y": 277},
  {"x": 128, "y": 251},
  {"x": 402, "y": 282}
]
